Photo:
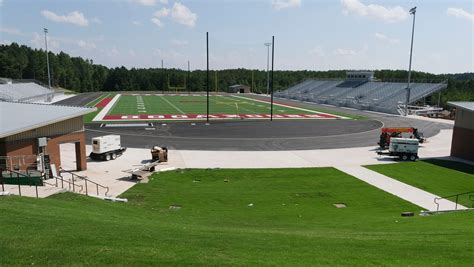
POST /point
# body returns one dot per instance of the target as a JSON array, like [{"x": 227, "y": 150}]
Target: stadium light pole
[
  {"x": 47, "y": 56},
  {"x": 207, "y": 74},
  {"x": 412, "y": 12},
  {"x": 268, "y": 65},
  {"x": 271, "y": 83}
]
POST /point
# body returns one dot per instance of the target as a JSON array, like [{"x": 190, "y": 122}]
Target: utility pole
[
  {"x": 412, "y": 12},
  {"x": 162, "y": 77},
  {"x": 207, "y": 74},
  {"x": 268, "y": 63},
  {"x": 271, "y": 83}
]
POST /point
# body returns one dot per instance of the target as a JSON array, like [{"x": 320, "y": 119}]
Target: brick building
[
  {"x": 27, "y": 129},
  {"x": 463, "y": 133}
]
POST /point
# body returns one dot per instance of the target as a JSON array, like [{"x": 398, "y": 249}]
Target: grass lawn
[
  {"x": 292, "y": 222},
  {"x": 440, "y": 177},
  {"x": 128, "y": 105}
]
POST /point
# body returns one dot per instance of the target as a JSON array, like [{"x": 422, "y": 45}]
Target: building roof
[
  {"x": 463, "y": 105},
  {"x": 238, "y": 85},
  {"x": 16, "y": 117}
]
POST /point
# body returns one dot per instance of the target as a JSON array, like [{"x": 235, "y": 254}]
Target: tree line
[{"x": 82, "y": 75}]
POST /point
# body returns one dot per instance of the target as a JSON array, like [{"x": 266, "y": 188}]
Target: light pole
[
  {"x": 271, "y": 92},
  {"x": 268, "y": 65},
  {"x": 412, "y": 12},
  {"x": 47, "y": 56}
]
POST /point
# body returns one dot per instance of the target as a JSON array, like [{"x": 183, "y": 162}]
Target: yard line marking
[
  {"x": 173, "y": 105},
  {"x": 292, "y": 107},
  {"x": 240, "y": 107}
]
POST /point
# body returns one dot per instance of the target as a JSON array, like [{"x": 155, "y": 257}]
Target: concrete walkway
[{"x": 404, "y": 191}]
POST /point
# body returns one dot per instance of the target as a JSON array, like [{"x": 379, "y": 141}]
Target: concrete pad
[
  {"x": 404, "y": 191},
  {"x": 451, "y": 122}
]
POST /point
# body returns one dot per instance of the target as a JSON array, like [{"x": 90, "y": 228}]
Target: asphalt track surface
[
  {"x": 260, "y": 135},
  {"x": 79, "y": 100},
  {"x": 265, "y": 135}
]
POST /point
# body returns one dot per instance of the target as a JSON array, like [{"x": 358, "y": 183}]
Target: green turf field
[
  {"x": 169, "y": 104},
  {"x": 291, "y": 222},
  {"x": 440, "y": 177}
]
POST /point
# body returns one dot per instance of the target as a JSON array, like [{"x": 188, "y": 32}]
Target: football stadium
[{"x": 110, "y": 165}]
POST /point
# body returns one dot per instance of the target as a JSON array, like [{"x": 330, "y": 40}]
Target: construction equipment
[
  {"x": 159, "y": 154},
  {"x": 106, "y": 147},
  {"x": 399, "y": 132},
  {"x": 403, "y": 148}
]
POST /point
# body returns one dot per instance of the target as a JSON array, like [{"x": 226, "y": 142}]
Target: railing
[
  {"x": 70, "y": 184},
  {"x": 18, "y": 175},
  {"x": 470, "y": 195},
  {"x": 86, "y": 180}
]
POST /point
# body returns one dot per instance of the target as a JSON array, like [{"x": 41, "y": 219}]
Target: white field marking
[
  {"x": 174, "y": 106},
  {"x": 281, "y": 110},
  {"x": 100, "y": 116},
  {"x": 297, "y": 108},
  {"x": 241, "y": 107}
]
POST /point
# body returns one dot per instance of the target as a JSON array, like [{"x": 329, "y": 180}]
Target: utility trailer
[
  {"x": 402, "y": 148},
  {"x": 107, "y": 147},
  {"x": 399, "y": 132}
]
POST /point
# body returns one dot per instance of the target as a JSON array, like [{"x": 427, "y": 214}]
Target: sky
[{"x": 309, "y": 34}]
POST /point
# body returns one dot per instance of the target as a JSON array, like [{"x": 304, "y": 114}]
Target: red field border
[
  {"x": 104, "y": 102},
  {"x": 146, "y": 117}
]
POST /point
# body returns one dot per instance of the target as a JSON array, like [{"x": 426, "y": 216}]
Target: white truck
[
  {"x": 403, "y": 148},
  {"x": 106, "y": 147}
]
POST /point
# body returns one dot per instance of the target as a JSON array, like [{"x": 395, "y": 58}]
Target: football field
[{"x": 159, "y": 107}]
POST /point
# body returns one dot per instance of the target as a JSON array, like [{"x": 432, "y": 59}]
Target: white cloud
[
  {"x": 183, "y": 15},
  {"x": 385, "y": 38},
  {"x": 96, "y": 20},
  {"x": 5, "y": 42},
  {"x": 389, "y": 14},
  {"x": 150, "y": 2},
  {"x": 145, "y": 2},
  {"x": 345, "y": 52},
  {"x": 158, "y": 15},
  {"x": 282, "y": 4},
  {"x": 317, "y": 51},
  {"x": 179, "y": 42},
  {"x": 75, "y": 17},
  {"x": 38, "y": 42},
  {"x": 86, "y": 45},
  {"x": 112, "y": 52},
  {"x": 136, "y": 23},
  {"x": 11, "y": 31},
  {"x": 460, "y": 13},
  {"x": 132, "y": 53}
]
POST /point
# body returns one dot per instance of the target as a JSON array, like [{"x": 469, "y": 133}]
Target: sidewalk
[{"x": 404, "y": 191}]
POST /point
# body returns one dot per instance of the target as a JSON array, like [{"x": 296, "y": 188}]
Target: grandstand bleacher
[
  {"x": 24, "y": 92},
  {"x": 360, "y": 93}
]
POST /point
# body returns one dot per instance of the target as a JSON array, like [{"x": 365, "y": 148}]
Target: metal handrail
[
  {"x": 69, "y": 183},
  {"x": 85, "y": 179},
  {"x": 18, "y": 174},
  {"x": 471, "y": 198}
]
